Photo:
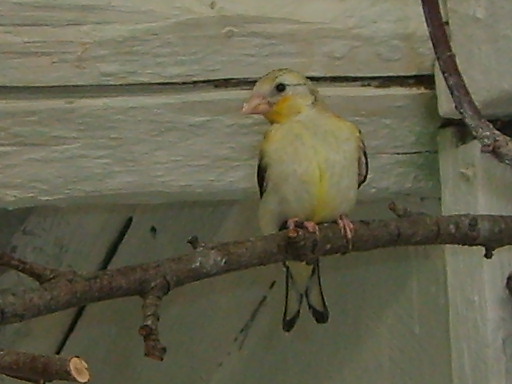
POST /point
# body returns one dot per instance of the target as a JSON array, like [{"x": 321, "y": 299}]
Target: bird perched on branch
[{"x": 311, "y": 164}]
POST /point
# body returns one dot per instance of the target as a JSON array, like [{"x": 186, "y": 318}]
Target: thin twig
[
  {"x": 38, "y": 272},
  {"x": 36, "y": 368},
  {"x": 490, "y": 139},
  {"x": 153, "y": 348}
]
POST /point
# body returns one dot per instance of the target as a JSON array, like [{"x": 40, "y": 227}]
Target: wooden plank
[
  {"x": 76, "y": 237},
  {"x": 482, "y": 40},
  {"x": 480, "y": 310},
  {"x": 126, "y": 42},
  {"x": 173, "y": 144},
  {"x": 388, "y": 312},
  {"x": 11, "y": 221}
]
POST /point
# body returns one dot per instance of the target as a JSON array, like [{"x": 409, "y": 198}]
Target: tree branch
[
  {"x": 489, "y": 231},
  {"x": 41, "y": 368},
  {"x": 153, "y": 348},
  {"x": 35, "y": 271},
  {"x": 491, "y": 139}
]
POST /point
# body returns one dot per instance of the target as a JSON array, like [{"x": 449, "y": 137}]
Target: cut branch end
[{"x": 36, "y": 368}]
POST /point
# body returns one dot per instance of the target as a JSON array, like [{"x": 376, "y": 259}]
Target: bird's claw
[
  {"x": 292, "y": 223},
  {"x": 310, "y": 226},
  {"x": 346, "y": 228}
]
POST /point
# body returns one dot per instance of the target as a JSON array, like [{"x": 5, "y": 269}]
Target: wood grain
[
  {"x": 55, "y": 42},
  {"x": 183, "y": 144}
]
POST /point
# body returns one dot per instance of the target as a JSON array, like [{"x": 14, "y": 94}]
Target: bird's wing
[
  {"x": 362, "y": 163},
  {"x": 261, "y": 174},
  {"x": 363, "y": 166}
]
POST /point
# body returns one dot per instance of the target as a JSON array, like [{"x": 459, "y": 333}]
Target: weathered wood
[
  {"x": 11, "y": 221},
  {"x": 480, "y": 310},
  {"x": 182, "y": 144},
  {"x": 55, "y": 42},
  {"x": 482, "y": 41}
]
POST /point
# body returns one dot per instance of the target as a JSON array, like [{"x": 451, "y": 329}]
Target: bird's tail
[{"x": 303, "y": 280}]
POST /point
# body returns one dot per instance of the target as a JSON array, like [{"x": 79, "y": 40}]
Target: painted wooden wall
[
  {"x": 113, "y": 100},
  {"x": 125, "y": 113}
]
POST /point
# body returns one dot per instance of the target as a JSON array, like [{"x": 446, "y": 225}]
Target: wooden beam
[
  {"x": 182, "y": 144},
  {"x": 57, "y": 42},
  {"x": 480, "y": 310}
]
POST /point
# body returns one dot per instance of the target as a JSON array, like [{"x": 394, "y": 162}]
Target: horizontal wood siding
[
  {"x": 170, "y": 144},
  {"x": 56, "y": 42}
]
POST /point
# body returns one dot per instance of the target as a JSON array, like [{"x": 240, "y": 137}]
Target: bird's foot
[
  {"x": 309, "y": 258},
  {"x": 292, "y": 223},
  {"x": 310, "y": 226},
  {"x": 346, "y": 228}
]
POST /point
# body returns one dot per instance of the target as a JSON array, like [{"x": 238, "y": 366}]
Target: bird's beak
[{"x": 256, "y": 105}]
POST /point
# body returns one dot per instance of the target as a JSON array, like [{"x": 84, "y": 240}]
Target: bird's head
[{"x": 281, "y": 95}]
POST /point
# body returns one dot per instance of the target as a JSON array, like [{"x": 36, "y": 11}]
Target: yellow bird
[{"x": 311, "y": 164}]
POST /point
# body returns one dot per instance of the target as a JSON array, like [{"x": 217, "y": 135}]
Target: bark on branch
[
  {"x": 488, "y": 231},
  {"x": 490, "y": 139},
  {"x": 41, "y": 368},
  {"x": 153, "y": 348},
  {"x": 35, "y": 271}
]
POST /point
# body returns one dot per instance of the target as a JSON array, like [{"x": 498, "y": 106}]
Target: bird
[{"x": 311, "y": 164}]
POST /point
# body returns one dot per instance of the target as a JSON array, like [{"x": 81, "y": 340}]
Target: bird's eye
[{"x": 280, "y": 87}]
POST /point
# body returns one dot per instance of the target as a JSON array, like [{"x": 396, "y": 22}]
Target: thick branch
[
  {"x": 491, "y": 139},
  {"x": 41, "y": 368},
  {"x": 489, "y": 231}
]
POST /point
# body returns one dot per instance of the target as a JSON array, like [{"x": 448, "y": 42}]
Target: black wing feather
[
  {"x": 261, "y": 174},
  {"x": 363, "y": 165}
]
